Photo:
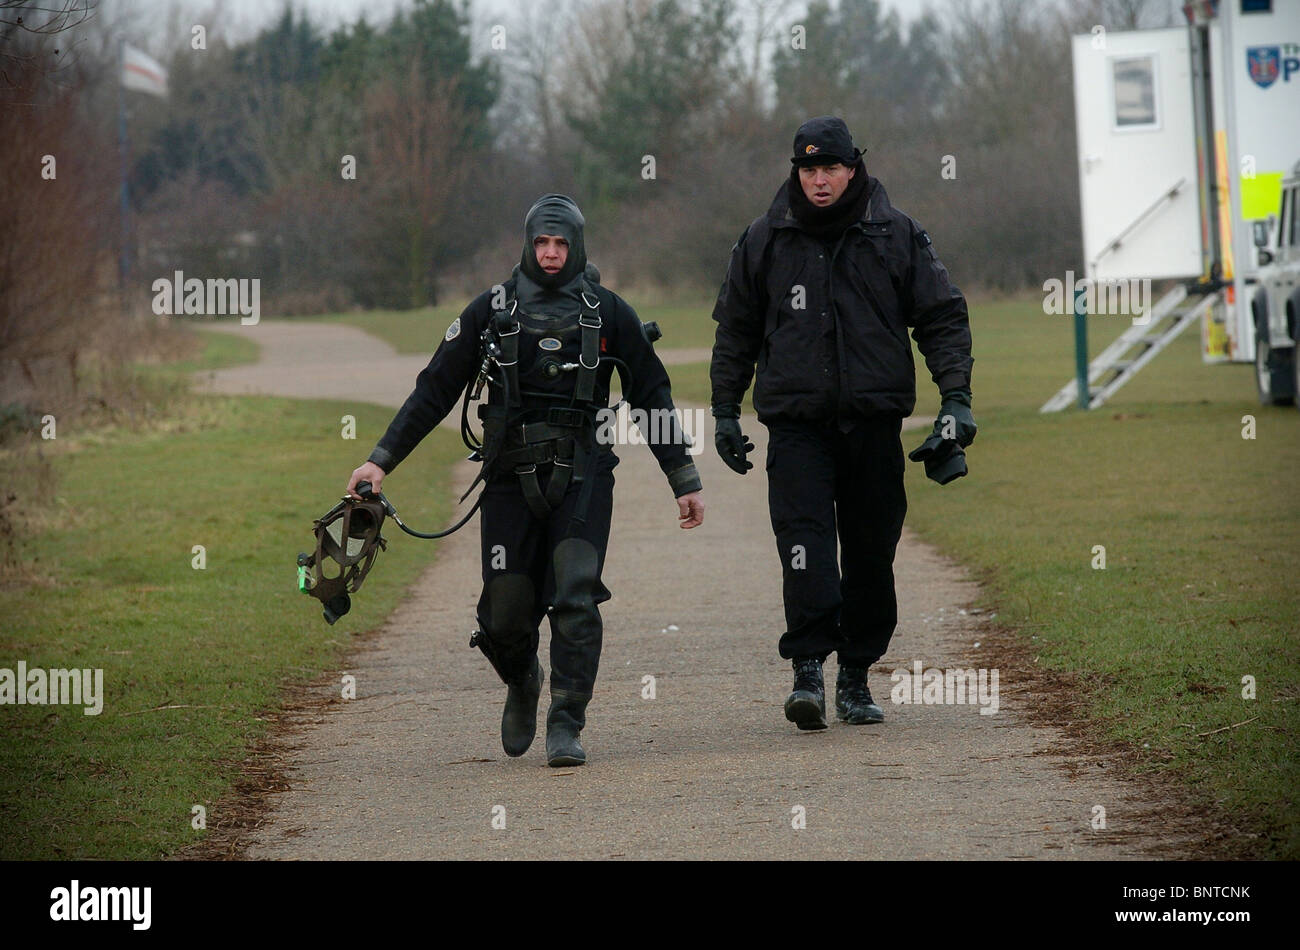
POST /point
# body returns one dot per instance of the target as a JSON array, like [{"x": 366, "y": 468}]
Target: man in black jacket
[
  {"x": 554, "y": 335},
  {"x": 819, "y": 295}
]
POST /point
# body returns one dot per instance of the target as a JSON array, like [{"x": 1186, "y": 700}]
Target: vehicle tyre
[{"x": 1275, "y": 370}]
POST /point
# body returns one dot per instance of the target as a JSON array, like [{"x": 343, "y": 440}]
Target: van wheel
[
  {"x": 1275, "y": 372},
  {"x": 1295, "y": 363}
]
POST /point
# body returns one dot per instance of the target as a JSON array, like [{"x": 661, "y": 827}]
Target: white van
[{"x": 1275, "y": 305}]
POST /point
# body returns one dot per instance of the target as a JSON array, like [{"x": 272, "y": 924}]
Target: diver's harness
[
  {"x": 519, "y": 439},
  {"x": 515, "y": 438}
]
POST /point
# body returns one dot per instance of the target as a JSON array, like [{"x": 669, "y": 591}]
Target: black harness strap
[
  {"x": 589, "y": 360},
  {"x": 509, "y": 342}
]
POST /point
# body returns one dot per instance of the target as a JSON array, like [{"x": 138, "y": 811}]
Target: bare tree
[{"x": 415, "y": 141}]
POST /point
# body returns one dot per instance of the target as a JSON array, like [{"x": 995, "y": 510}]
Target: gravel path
[{"x": 413, "y": 768}]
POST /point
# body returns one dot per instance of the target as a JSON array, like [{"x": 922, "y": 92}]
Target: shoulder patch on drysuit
[
  {"x": 922, "y": 238},
  {"x": 453, "y": 331}
]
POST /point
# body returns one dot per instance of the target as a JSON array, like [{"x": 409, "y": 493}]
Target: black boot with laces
[
  {"x": 853, "y": 702},
  {"x": 806, "y": 706}
]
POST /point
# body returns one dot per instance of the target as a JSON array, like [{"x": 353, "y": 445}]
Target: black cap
[{"x": 824, "y": 141}]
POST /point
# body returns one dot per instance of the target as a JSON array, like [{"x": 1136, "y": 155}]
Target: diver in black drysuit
[{"x": 549, "y": 480}]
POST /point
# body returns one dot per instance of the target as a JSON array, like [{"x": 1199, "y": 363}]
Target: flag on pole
[{"x": 142, "y": 72}]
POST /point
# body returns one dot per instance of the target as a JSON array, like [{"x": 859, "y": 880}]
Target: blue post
[{"x": 1081, "y": 348}]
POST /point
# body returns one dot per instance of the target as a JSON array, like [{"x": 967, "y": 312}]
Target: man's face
[
  {"x": 823, "y": 184},
  {"x": 552, "y": 251}
]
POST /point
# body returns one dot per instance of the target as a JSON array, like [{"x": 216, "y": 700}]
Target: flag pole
[{"x": 124, "y": 254}]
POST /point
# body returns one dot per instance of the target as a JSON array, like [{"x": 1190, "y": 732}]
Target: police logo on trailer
[
  {"x": 453, "y": 331},
  {"x": 1263, "y": 62},
  {"x": 549, "y": 343}
]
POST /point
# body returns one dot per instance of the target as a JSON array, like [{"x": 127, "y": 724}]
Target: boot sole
[
  {"x": 859, "y": 720},
  {"x": 805, "y": 713},
  {"x": 563, "y": 761}
]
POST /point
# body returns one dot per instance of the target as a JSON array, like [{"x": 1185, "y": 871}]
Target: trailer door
[{"x": 1137, "y": 154}]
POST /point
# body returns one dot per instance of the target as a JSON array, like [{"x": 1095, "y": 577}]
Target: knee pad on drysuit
[
  {"x": 575, "y": 617},
  {"x": 576, "y": 563},
  {"x": 507, "y": 633}
]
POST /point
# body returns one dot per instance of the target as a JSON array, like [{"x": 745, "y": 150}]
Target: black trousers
[
  {"x": 532, "y": 567},
  {"x": 845, "y": 480}
]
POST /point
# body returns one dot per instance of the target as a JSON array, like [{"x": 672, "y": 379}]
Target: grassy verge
[
  {"x": 408, "y": 331},
  {"x": 189, "y": 656},
  {"x": 1199, "y": 525}
]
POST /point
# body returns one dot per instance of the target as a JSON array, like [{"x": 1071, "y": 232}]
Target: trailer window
[{"x": 1135, "y": 92}]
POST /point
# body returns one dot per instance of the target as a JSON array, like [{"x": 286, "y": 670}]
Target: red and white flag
[{"x": 142, "y": 72}]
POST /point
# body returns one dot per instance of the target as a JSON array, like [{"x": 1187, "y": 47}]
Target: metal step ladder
[{"x": 1135, "y": 347}]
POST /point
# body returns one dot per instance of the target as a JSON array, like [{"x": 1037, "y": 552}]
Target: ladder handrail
[{"x": 1114, "y": 243}]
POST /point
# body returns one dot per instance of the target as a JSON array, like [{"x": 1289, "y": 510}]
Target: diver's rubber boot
[
  {"x": 806, "y": 706},
  {"x": 567, "y": 716},
  {"x": 519, "y": 720}
]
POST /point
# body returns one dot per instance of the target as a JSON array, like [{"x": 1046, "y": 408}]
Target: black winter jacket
[{"x": 826, "y": 321}]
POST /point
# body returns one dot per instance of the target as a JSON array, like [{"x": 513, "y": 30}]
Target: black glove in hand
[
  {"x": 944, "y": 458},
  {"x": 732, "y": 445},
  {"x": 944, "y": 461},
  {"x": 955, "y": 420}
]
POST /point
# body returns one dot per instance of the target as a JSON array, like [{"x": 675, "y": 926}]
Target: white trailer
[{"x": 1185, "y": 137}]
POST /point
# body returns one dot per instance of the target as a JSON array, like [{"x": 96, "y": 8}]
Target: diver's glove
[
  {"x": 729, "y": 440},
  {"x": 945, "y": 458}
]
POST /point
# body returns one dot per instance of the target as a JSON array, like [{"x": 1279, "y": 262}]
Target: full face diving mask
[{"x": 347, "y": 534}]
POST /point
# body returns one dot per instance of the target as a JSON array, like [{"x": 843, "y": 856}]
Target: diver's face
[{"x": 552, "y": 251}]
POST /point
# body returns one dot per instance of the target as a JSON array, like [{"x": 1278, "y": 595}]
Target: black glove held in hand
[
  {"x": 944, "y": 458},
  {"x": 730, "y": 442},
  {"x": 955, "y": 420}
]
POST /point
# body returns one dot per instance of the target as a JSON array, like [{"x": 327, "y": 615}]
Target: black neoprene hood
[{"x": 554, "y": 214}]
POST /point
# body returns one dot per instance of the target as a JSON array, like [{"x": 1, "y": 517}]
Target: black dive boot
[
  {"x": 853, "y": 702},
  {"x": 519, "y": 720},
  {"x": 567, "y": 716},
  {"x": 806, "y": 706}
]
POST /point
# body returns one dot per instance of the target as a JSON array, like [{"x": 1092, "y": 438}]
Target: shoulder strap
[
  {"x": 506, "y": 327},
  {"x": 589, "y": 360}
]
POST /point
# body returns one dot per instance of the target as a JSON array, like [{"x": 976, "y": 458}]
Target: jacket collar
[{"x": 878, "y": 208}]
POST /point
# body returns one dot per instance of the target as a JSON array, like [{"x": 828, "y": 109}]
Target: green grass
[
  {"x": 244, "y": 477},
  {"x": 216, "y": 350},
  {"x": 408, "y": 331},
  {"x": 1200, "y": 587},
  {"x": 1200, "y": 529}
]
